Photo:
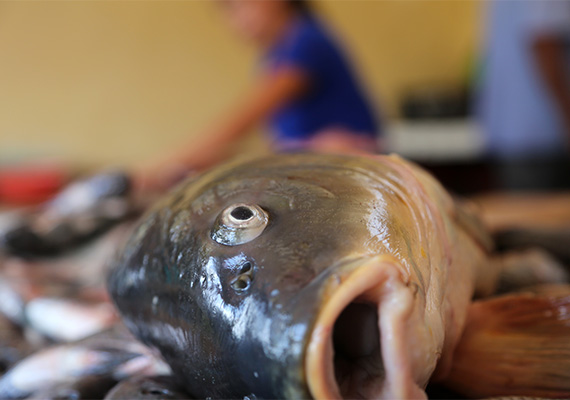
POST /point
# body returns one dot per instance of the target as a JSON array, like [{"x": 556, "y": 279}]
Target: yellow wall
[{"x": 115, "y": 82}]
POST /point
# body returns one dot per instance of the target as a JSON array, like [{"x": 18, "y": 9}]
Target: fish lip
[{"x": 362, "y": 280}]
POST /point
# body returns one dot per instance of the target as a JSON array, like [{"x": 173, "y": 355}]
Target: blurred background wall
[{"x": 100, "y": 83}]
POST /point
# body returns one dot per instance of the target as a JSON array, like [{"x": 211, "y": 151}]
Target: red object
[{"x": 30, "y": 183}]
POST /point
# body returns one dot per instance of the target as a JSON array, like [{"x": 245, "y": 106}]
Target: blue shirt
[
  {"x": 519, "y": 116},
  {"x": 333, "y": 99}
]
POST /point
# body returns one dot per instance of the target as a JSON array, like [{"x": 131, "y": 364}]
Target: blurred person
[
  {"x": 306, "y": 91},
  {"x": 524, "y": 92}
]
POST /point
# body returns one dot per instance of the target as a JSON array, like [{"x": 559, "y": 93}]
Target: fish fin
[
  {"x": 487, "y": 276},
  {"x": 467, "y": 218},
  {"x": 515, "y": 345}
]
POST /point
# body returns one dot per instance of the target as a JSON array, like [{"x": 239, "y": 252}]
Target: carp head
[{"x": 268, "y": 279}]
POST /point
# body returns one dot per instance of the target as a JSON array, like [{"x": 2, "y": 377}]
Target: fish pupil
[{"x": 242, "y": 213}]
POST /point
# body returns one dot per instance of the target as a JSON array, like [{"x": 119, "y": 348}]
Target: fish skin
[
  {"x": 68, "y": 320},
  {"x": 108, "y": 356},
  {"x": 55, "y": 367},
  {"x": 328, "y": 216},
  {"x": 79, "y": 275},
  {"x": 13, "y": 344},
  {"x": 88, "y": 387},
  {"x": 147, "y": 388}
]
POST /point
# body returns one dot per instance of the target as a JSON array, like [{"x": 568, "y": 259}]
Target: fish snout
[{"x": 347, "y": 353}]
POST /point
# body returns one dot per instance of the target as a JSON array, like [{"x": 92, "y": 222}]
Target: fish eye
[
  {"x": 239, "y": 223},
  {"x": 242, "y": 213}
]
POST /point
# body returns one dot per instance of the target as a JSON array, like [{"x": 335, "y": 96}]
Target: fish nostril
[
  {"x": 155, "y": 392},
  {"x": 245, "y": 268},
  {"x": 241, "y": 283},
  {"x": 242, "y": 213}
]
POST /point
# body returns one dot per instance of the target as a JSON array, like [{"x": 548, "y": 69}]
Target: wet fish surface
[
  {"x": 88, "y": 387},
  {"x": 66, "y": 320},
  {"x": 300, "y": 276},
  {"x": 86, "y": 368},
  {"x": 147, "y": 388},
  {"x": 13, "y": 344},
  {"x": 80, "y": 212}
]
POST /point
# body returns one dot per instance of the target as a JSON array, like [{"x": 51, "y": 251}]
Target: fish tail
[{"x": 515, "y": 345}]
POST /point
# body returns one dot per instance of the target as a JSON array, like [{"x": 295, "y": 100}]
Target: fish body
[
  {"x": 88, "y": 387},
  {"x": 81, "y": 211},
  {"x": 147, "y": 388},
  {"x": 77, "y": 276},
  {"x": 300, "y": 276},
  {"x": 13, "y": 345},
  {"x": 104, "y": 358},
  {"x": 67, "y": 320}
]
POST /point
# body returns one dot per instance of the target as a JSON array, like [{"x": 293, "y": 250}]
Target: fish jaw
[{"x": 392, "y": 370}]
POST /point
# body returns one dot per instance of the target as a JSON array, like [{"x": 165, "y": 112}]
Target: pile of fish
[
  {"x": 81, "y": 211},
  {"x": 60, "y": 336},
  {"x": 293, "y": 276}
]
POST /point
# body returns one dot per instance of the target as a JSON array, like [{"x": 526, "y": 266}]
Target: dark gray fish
[
  {"x": 147, "y": 388},
  {"x": 110, "y": 355},
  {"x": 85, "y": 266},
  {"x": 302, "y": 276},
  {"x": 88, "y": 387},
  {"x": 81, "y": 211}
]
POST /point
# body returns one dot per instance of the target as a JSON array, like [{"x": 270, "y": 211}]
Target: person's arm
[
  {"x": 213, "y": 145},
  {"x": 549, "y": 55}
]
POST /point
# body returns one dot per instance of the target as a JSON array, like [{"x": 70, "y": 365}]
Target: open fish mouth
[{"x": 344, "y": 357}]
